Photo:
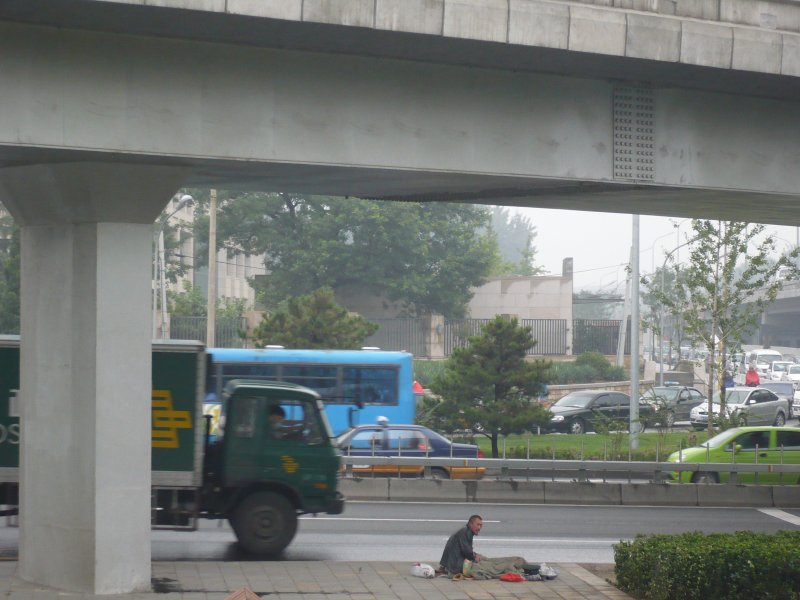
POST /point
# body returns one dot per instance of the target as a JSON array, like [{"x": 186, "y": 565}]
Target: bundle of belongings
[{"x": 510, "y": 568}]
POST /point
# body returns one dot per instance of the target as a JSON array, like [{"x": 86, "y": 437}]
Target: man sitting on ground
[{"x": 459, "y": 558}]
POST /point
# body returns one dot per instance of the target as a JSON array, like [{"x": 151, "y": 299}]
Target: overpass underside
[
  {"x": 108, "y": 108},
  {"x": 272, "y": 104}
]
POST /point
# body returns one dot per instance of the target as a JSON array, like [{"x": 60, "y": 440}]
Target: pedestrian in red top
[{"x": 751, "y": 378}]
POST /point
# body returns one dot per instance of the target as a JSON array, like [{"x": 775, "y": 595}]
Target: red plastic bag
[{"x": 515, "y": 577}]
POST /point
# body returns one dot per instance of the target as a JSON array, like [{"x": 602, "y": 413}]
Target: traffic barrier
[
  {"x": 430, "y": 490},
  {"x": 580, "y": 492},
  {"x": 658, "y": 494},
  {"x": 510, "y": 491},
  {"x": 733, "y": 495},
  {"x": 787, "y": 496},
  {"x": 565, "y": 492}
]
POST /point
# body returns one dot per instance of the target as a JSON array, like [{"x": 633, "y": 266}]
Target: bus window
[{"x": 356, "y": 386}]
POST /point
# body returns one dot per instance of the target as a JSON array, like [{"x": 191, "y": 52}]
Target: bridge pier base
[{"x": 85, "y": 370}]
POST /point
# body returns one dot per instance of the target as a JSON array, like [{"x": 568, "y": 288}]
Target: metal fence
[
  {"x": 550, "y": 335},
  {"x": 598, "y": 335},
  {"x": 408, "y": 334},
  {"x": 399, "y": 334},
  {"x": 229, "y": 331}
]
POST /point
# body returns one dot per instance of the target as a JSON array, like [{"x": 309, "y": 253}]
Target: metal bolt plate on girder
[{"x": 634, "y": 134}]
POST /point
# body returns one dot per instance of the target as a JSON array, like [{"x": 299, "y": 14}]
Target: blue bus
[{"x": 356, "y": 386}]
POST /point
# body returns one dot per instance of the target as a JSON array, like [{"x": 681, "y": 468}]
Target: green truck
[{"x": 257, "y": 474}]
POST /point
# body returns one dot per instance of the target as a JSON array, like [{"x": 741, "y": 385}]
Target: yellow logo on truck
[
  {"x": 289, "y": 464},
  {"x": 167, "y": 420}
]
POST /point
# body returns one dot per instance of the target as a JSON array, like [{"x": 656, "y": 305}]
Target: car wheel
[
  {"x": 264, "y": 523},
  {"x": 670, "y": 419},
  {"x": 700, "y": 477},
  {"x": 439, "y": 473},
  {"x": 780, "y": 420},
  {"x": 577, "y": 427}
]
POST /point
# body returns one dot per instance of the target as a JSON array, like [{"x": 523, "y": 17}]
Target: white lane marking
[
  {"x": 312, "y": 518},
  {"x": 547, "y": 541},
  {"x": 780, "y": 514}
]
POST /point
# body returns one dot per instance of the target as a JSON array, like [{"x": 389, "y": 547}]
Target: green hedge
[
  {"x": 589, "y": 367},
  {"x": 696, "y": 566},
  {"x": 425, "y": 371}
]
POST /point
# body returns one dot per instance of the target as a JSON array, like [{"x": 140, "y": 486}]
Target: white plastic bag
[
  {"x": 547, "y": 572},
  {"x": 423, "y": 570}
]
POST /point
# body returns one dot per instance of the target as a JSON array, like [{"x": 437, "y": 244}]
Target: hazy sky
[{"x": 600, "y": 243}]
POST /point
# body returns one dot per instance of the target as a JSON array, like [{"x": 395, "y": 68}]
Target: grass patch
[{"x": 612, "y": 446}]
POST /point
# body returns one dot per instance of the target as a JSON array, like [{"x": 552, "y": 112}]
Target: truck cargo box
[{"x": 177, "y": 408}]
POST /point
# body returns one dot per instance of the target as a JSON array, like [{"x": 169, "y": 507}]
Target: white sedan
[
  {"x": 778, "y": 369},
  {"x": 793, "y": 374}
]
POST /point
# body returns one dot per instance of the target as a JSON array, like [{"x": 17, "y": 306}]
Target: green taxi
[{"x": 765, "y": 445}]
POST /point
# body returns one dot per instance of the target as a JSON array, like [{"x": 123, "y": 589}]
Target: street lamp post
[
  {"x": 634, "y": 405},
  {"x": 652, "y": 248},
  {"x": 661, "y": 311},
  {"x": 159, "y": 268},
  {"x": 211, "y": 307}
]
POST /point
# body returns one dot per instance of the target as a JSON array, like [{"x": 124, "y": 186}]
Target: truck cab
[{"x": 272, "y": 460}]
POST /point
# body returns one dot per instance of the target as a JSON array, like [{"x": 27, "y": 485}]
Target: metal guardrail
[{"x": 578, "y": 470}]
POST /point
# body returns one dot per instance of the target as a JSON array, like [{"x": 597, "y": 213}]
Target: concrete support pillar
[
  {"x": 433, "y": 330},
  {"x": 86, "y": 370}
]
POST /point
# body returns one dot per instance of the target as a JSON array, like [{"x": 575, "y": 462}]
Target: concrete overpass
[{"x": 682, "y": 107}]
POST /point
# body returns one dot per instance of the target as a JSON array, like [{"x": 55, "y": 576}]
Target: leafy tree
[
  {"x": 314, "y": 321},
  {"x": 721, "y": 303},
  {"x": 488, "y": 385},
  {"x": 425, "y": 256},
  {"x": 9, "y": 274},
  {"x": 192, "y": 303},
  {"x": 173, "y": 266},
  {"x": 595, "y": 305},
  {"x": 189, "y": 303},
  {"x": 669, "y": 314},
  {"x": 515, "y": 236}
]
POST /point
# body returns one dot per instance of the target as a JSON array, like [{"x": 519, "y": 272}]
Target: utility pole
[
  {"x": 160, "y": 267},
  {"x": 211, "y": 310},
  {"x": 163, "y": 284},
  {"x": 623, "y": 326},
  {"x": 634, "y": 408}
]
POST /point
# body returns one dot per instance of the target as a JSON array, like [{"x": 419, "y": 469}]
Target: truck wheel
[{"x": 264, "y": 523}]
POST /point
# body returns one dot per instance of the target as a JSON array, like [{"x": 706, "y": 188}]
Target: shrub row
[
  {"x": 696, "y": 566},
  {"x": 589, "y": 367}
]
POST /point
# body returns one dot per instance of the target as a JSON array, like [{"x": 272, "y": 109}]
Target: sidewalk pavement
[{"x": 325, "y": 580}]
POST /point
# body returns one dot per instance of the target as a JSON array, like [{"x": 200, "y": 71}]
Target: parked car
[
  {"x": 785, "y": 390},
  {"x": 793, "y": 374},
  {"x": 677, "y": 400},
  {"x": 774, "y": 445},
  {"x": 778, "y": 369},
  {"x": 751, "y": 405},
  {"x": 384, "y": 439},
  {"x": 579, "y": 412},
  {"x": 761, "y": 359}
]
